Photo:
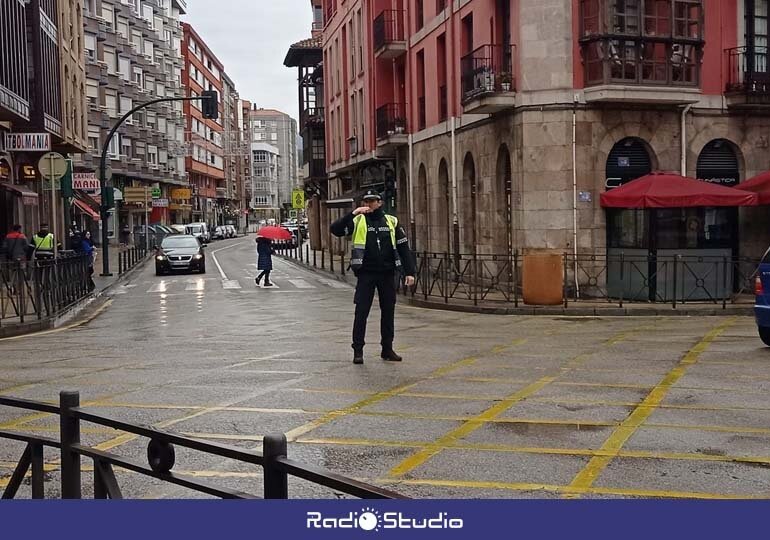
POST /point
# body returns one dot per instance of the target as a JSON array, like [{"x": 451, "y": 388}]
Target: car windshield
[
  {"x": 176, "y": 243},
  {"x": 195, "y": 230}
]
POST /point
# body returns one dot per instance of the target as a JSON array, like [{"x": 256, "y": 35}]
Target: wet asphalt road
[{"x": 483, "y": 406}]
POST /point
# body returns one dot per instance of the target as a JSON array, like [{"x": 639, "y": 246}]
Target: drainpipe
[
  {"x": 411, "y": 190},
  {"x": 683, "y": 134},
  {"x": 455, "y": 220},
  {"x": 574, "y": 194}
]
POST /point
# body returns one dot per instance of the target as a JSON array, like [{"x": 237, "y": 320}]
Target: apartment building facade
[
  {"x": 505, "y": 120},
  {"x": 279, "y": 130},
  {"x": 205, "y": 137},
  {"x": 42, "y": 103},
  {"x": 133, "y": 55},
  {"x": 236, "y": 157}
]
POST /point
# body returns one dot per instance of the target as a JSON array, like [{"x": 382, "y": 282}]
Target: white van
[{"x": 199, "y": 230}]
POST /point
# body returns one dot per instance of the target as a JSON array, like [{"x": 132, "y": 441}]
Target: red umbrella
[
  {"x": 760, "y": 185},
  {"x": 274, "y": 232},
  {"x": 669, "y": 190}
]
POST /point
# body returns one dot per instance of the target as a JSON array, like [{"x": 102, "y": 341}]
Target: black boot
[
  {"x": 390, "y": 355},
  {"x": 358, "y": 356}
]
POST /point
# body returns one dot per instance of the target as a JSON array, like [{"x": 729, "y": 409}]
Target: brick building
[{"x": 205, "y": 164}]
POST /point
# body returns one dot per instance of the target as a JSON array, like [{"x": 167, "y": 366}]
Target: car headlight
[
  {"x": 160, "y": 258},
  {"x": 197, "y": 257}
]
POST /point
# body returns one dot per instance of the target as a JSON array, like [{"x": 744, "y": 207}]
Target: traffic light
[
  {"x": 210, "y": 104},
  {"x": 108, "y": 197}
]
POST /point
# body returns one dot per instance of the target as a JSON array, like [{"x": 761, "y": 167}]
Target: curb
[
  {"x": 553, "y": 311},
  {"x": 81, "y": 310}
]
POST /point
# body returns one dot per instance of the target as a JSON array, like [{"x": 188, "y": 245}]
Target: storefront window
[
  {"x": 696, "y": 228},
  {"x": 628, "y": 228}
]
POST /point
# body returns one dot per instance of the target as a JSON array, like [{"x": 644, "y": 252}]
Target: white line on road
[
  {"x": 198, "y": 285},
  {"x": 161, "y": 287},
  {"x": 216, "y": 261},
  {"x": 230, "y": 284},
  {"x": 301, "y": 284}
]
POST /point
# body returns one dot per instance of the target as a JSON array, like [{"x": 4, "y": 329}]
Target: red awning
[
  {"x": 87, "y": 210},
  {"x": 669, "y": 190},
  {"x": 760, "y": 185}
]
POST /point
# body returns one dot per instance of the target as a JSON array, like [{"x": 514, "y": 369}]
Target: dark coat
[{"x": 264, "y": 255}]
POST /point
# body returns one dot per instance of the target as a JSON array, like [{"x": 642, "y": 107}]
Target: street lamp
[{"x": 210, "y": 109}]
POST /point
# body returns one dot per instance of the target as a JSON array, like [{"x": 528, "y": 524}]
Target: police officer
[
  {"x": 43, "y": 243},
  {"x": 380, "y": 255}
]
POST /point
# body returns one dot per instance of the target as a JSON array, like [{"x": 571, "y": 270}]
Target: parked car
[
  {"x": 180, "y": 229},
  {"x": 231, "y": 231},
  {"x": 762, "y": 301},
  {"x": 156, "y": 235},
  {"x": 180, "y": 252},
  {"x": 165, "y": 229},
  {"x": 200, "y": 230},
  {"x": 220, "y": 233}
]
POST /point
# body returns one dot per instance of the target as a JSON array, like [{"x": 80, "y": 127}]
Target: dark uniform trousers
[{"x": 386, "y": 285}]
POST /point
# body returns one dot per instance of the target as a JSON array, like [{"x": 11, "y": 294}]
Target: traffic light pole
[{"x": 105, "y": 185}]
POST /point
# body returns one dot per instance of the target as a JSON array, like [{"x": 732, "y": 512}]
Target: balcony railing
[
  {"x": 388, "y": 28},
  {"x": 312, "y": 115},
  {"x": 641, "y": 61},
  {"x": 391, "y": 120},
  {"x": 749, "y": 71},
  {"x": 487, "y": 70}
]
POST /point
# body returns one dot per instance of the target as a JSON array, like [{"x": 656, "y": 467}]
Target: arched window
[
  {"x": 467, "y": 204},
  {"x": 443, "y": 200},
  {"x": 503, "y": 219}
]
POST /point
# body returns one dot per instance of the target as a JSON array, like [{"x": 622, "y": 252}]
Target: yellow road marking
[
  {"x": 414, "y": 461},
  {"x": 380, "y": 396},
  {"x": 588, "y": 475},
  {"x": 627, "y": 492},
  {"x": 87, "y": 320}
]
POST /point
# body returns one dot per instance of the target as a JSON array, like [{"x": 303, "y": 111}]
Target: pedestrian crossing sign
[{"x": 298, "y": 199}]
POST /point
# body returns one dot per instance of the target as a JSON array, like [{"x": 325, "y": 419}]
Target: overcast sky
[{"x": 251, "y": 37}]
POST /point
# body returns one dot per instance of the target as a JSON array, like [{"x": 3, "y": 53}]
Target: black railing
[
  {"x": 488, "y": 69},
  {"x": 496, "y": 279},
  {"x": 391, "y": 120},
  {"x": 42, "y": 288},
  {"x": 129, "y": 257},
  {"x": 388, "y": 28},
  {"x": 749, "y": 71},
  {"x": 676, "y": 278},
  {"x": 161, "y": 457}
]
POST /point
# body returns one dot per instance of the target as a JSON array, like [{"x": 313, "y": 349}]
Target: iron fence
[
  {"x": 129, "y": 257},
  {"x": 654, "y": 278},
  {"x": 615, "y": 278},
  {"x": 42, "y": 288},
  {"x": 161, "y": 459}
]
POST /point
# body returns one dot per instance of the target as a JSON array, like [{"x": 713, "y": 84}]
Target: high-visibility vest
[
  {"x": 360, "y": 230},
  {"x": 44, "y": 243}
]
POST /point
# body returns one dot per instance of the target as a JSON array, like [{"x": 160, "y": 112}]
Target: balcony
[
  {"x": 312, "y": 115},
  {"x": 748, "y": 84},
  {"x": 487, "y": 82},
  {"x": 388, "y": 33},
  {"x": 642, "y": 52},
  {"x": 391, "y": 126}
]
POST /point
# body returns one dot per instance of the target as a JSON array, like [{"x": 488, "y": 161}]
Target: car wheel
[{"x": 764, "y": 334}]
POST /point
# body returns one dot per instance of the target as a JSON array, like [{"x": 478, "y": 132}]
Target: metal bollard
[
  {"x": 276, "y": 481},
  {"x": 323, "y": 259},
  {"x": 69, "y": 426},
  {"x": 342, "y": 264}
]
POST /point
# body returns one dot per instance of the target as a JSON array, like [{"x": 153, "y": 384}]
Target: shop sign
[
  {"x": 160, "y": 203},
  {"x": 584, "y": 196},
  {"x": 156, "y": 193},
  {"x": 135, "y": 194},
  {"x": 85, "y": 182},
  {"x": 27, "y": 142},
  {"x": 28, "y": 172},
  {"x": 624, "y": 161},
  {"x": 5, "y": 170},
  {"x": 181, "y": 194}
]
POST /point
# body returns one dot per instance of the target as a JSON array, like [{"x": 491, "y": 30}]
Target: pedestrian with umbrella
[{"x": 265, "y": 238}]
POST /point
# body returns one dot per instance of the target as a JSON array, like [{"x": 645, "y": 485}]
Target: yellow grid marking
[
  {"x": 627, "y": 492},
  {"x": 380, "y": 396},
  {"x": 586, "y": 477}
]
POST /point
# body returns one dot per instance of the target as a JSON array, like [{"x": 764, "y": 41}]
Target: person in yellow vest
[
  {"x": 380, "y": 256},
  {"x": 43, "y": 243}
]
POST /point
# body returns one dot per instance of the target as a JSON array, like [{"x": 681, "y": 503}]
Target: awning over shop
[
  {"x": 669, "y": 190},
  {"x": 87, "y": 210},
  {"x": 27, "y": 195},
  {"x": 760, "y": 185}
]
